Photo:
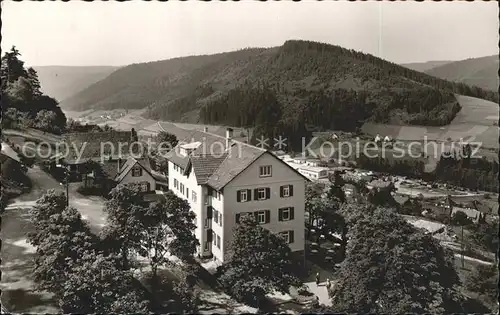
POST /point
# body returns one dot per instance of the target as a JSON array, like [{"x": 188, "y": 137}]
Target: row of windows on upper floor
[
  {"x": 178, "y": 169},
  {"x": 264, "y": 171},
  {"x": 185, "y": 191},
  {"x": 261, "y": 216},
  {"x": 288, "y": 237},
  {"x": 262, "y": 193},
  {"x": 242, "y": 195}
]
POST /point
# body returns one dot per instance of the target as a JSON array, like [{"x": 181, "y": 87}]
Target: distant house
[
  {"x": 428, "y": 227},
  {"x": 95, "y": 146},
  {"x": 472, "y": 214},
  {"x": 118, "y": 171},
  {"x": 316, "y": 163},
  {"x": 310, "y": 172}
]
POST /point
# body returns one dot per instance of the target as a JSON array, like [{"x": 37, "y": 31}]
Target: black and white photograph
[{"x": 249, "y": 157}]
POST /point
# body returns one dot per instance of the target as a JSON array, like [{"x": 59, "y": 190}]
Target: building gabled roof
[
  {"x": 213, "y": 163},
  {"x": 90, "y": 145},
  {"x": 129, "y": 164}
]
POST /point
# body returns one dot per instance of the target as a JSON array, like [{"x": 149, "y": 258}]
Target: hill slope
[
  {"x": 64, "y": 81},
  {"x": 425, "y": 66},
  {"x": 481, "y": 72},
  {"x": 293, "y": 86}
]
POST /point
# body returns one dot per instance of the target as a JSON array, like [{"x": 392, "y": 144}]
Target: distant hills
[
  {"x": 296, "y": 84},
  {"x": 61, "y": 82},
  {"x": 425, "y": 66},
  {"x": 481, "y": 72}
]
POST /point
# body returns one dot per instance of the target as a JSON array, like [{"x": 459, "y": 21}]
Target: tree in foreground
[
  {"x": 61, "y": 240},
  {"x": 484, "y": 280},
  {"x": 168, "y": 228},
  {"x": 97, "y": 285},
  {"x": 259, "y": 263},
  {"x": 485, "y": 234},
  {"x": 126, "y": 214},
  {"x": 49, "y": 204},
  {"x": 391, "y": 268}
]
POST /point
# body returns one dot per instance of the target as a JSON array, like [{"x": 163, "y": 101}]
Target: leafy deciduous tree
[{"x": 259, "y": 263}]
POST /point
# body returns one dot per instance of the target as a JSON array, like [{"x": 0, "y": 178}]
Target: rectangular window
[
  {"x": 261, "y": 217},
  {"x": 265, "y": 171},
  {"x": 285, "y": 214},
  {"x": 176, "y": 183},
  {"x": 287, "y": 236},
  {"x": 207, "y": 223},
  {"x": 243, "y": 195},
  {"x": 182, "y": 188},
  {"x": 214, "y": 238},
  {"x": 187, "y": 192},
  {"x": 220, "y": 219},
  {"x": 261, "y": 193},
  {"x": 194, "y": 197},
  {"x": 207, "y": 246},
  {"x": 136, "y": 171},
  {"x": 286, "y": 191},
  {"x": 145, "y": 186},
  {"x": 216, "y": 216},
  {"x": 218, "y": 241}
]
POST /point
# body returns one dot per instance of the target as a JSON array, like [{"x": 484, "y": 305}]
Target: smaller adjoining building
[{"x": 118, "y": 171}]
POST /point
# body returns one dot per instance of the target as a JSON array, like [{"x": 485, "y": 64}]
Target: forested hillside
[
  {"x": 297, "y": 85},
  {"x": 64, "y": 81},
  {"x": 482, "y": 72}
]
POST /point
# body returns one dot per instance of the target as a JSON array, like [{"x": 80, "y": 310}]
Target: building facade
[{"x": 223, "y": 179}]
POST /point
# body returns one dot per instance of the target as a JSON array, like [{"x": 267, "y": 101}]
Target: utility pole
[
  {"x": 67, "y": 184},
  {"x": 66, "y": 179}
]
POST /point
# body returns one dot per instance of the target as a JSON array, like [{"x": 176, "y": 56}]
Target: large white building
[{"x": 223, "y": 179}]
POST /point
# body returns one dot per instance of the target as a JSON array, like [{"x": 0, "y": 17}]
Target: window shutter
[
  {"x": 256, "y": 215},
  {"x": 290, "y": 237},
  {"x": 238, "y": 218},
  {"x": 268, "y": 193},
  {"x": 209, "y": 235},
  {"x": 249, "y": 194},
  {"x": 209, "y": 212},
  {"x": 268, "y": 216},
  {"x": 291, "y": 190},
  {"x": 280, "y": 214},
  {"x": 255, "y": 194},
  {"x": 281, "y": 191},
  {"x": 238, "y": 196},
  {"x": 291, "y": 213}
]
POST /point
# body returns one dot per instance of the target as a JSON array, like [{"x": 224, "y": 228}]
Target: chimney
[
  {"x": 229, "y": 136},
  {"x": 205, "y": 129}
]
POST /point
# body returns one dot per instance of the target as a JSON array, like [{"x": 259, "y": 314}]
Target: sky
[{"x": 119, "y": 33}]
